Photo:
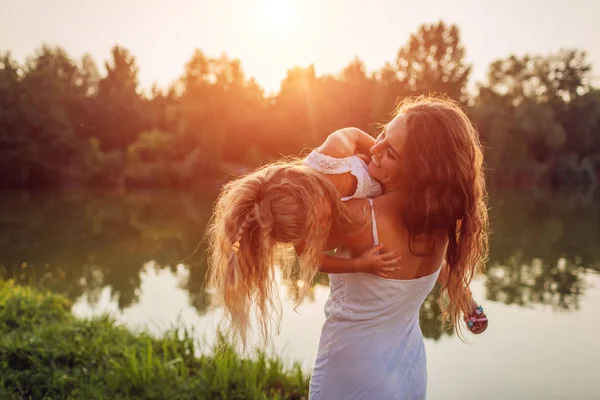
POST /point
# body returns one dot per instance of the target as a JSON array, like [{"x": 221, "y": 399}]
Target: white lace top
[{"x": 366, "y": 186}]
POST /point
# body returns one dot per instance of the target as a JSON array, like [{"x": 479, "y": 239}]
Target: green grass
[{"x": 47, "y": 353}]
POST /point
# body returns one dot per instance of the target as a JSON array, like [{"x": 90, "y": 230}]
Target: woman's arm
[
  {"x": 443, "y": 274},
  {"x": 347, "y": 142},
  {"x": 480, "y": 323}
]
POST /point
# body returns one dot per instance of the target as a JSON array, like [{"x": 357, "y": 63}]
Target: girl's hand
[{"x": 379, "y": 263}]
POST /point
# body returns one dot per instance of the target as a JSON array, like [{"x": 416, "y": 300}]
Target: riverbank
[{"x": 47, "y": 353}]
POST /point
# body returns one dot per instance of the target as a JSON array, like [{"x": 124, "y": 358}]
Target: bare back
[{"x": 393, "y": 233}]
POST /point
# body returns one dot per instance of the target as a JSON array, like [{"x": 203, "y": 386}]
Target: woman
[
  {"x": 433, "y": 213},
  {"x": 428, "y": 160}
]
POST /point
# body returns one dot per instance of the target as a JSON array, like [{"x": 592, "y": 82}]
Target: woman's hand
[
  {"x": 379, "y": 263},
  {"x": 477, "y": 321}
]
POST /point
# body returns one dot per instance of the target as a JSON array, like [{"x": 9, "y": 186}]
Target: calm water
[{"x": 133, "y": 254}]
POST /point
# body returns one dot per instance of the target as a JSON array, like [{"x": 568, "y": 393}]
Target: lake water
[{"x": 135, "y": 255}]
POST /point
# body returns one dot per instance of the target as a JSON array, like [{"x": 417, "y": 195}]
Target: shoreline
[{"x": 47, "y": 352}]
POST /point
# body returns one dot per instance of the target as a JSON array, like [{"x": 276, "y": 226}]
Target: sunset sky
[{"x": 270, "y": 36}]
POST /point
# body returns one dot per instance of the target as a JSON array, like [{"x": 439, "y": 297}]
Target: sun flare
[{"x": 275, "y": 15}]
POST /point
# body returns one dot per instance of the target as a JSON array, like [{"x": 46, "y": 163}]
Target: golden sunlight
[{"x": 274, "y": 16}]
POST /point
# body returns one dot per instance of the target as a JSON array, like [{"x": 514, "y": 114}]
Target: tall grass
[{"x": 47, "y": 353}]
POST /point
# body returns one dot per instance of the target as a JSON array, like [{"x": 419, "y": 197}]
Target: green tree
[
  {"x": 389, "y": 89},
  {"x": 47, "y": 100},
  {"x": 216, "y": 111},
  {"x": 516, "y": 136},
  {"x": 559, "y": 77},
  {"x": 84, "y": 109},
  {"x": 433, "y": 61},
  {"x": 352, "y": 101},
  {"x": 296, "y": 112},
  {"x": 119, "y": 108},
  {"x": 12, "y": 121},
  {"x": 537, "y": 109},
  {"x": 583, "y": 123}
]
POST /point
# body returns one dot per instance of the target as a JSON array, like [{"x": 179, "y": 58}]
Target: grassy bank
[{"x": 47, "y": 353}]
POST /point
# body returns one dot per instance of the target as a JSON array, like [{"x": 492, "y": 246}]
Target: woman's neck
[
  {"x": 390, "y": 186},
  {"x": 396, "y": 193}
]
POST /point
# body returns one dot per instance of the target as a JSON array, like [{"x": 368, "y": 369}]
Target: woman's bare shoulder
[{"x": 357, "y": 207}]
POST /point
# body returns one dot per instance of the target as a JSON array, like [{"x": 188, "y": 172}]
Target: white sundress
[{"x": 371, "y": 344}]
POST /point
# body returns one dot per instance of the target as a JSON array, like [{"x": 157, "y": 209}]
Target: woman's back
[
  {"x": 374, "y": 320},
  {"x": 392, "y": 232}
]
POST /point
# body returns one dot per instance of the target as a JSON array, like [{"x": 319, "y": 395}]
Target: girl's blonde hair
[{"x": 258, "y": 219}]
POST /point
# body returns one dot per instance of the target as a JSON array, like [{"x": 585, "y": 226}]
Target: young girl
[{"x": 262, "y": 217}]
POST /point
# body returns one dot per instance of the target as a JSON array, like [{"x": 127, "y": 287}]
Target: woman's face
[{"x": 386, "y": 154}]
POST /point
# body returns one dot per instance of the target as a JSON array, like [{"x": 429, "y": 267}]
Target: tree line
[{"x": 63, "y": 121}]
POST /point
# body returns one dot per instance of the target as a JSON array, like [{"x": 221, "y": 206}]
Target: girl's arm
[
  {"x": 370, "y": 262},
  {"x": 376, "y": 260},
  {"x": 340, "y": 145},
  {"x": 347, "y": 142},
  {"x": 373, "y": 261}
]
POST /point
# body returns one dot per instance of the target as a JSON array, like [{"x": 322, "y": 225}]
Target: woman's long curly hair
[
  {"x": 444, "y": 179},
  {"x": 257, "y": 222}
]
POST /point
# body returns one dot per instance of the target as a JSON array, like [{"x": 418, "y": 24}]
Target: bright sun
[{"x": 274, "y": 15}]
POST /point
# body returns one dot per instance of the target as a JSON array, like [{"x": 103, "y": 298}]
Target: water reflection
[
  {"x": 82, "y": 242},
  {"x": 79, "y": 242},
  {"x": 541, "y": 247}
]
